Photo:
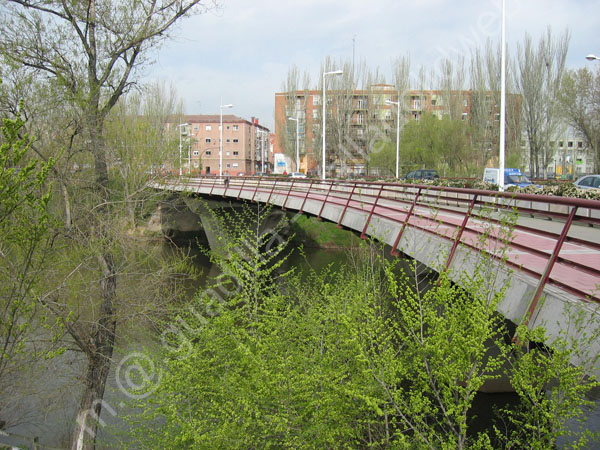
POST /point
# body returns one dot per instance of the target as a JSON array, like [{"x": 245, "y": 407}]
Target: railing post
[
  {"x": 460, "y": 231},
  {"x": 271, "y": 193},
  {"x": 287, "y": 195},
  {"x": 325, "y": 201},
  {"x": 305, "y": 197},
  {"x": 255, "y": 190},
  {"x": 364, "y": 231},
  {"x": 339, "y": 224},
  {"x": 212, "y": 187},
  {"x": 546, "y": 275},
  {"x": 241, "y": 188},
  {"x": 394, "y": 252}
]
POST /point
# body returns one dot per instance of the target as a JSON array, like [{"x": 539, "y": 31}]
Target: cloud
[{"x": 243, "y": 52}]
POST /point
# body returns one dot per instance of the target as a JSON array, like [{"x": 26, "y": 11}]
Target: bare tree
[
  {"x": 540, "y": 71},
  {"x": 93, "y": 51},
  {"x": 580, "y": 106}
]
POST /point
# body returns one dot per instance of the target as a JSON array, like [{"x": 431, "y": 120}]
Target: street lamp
[
  {"x": 333, "y": 72},
  {"x": 502, "y": 99},
  {"x": 389, "y": 102},
  {"x": 592, "y": 57},
  {"x": 180, "y": 133},
  {"x": 297, "y": 120},
  {"x": 221, "y": 138}
]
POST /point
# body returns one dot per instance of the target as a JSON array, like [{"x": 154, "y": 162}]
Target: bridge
[{"x": 546, "y": 249}]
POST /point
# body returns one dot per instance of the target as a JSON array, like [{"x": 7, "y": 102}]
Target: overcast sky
[{"x": 242, "y": 53}]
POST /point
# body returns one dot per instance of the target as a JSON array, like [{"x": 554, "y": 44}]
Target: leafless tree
[
  {"x": 580, "y": 106},
  {"x": 93, "y": 51},
  {"x": 540, "y": 71}
]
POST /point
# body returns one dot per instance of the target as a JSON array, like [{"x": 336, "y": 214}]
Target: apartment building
[
  {"x": 369, "y": 115},
  {"x": 246, "y": 145}
]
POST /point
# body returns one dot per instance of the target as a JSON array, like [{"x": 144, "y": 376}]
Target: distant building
[
  {"x": 368, "y": 118},
  {"x": 246, "y": 145}
]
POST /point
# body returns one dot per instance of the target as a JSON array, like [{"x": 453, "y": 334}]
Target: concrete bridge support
[{"x": 190, "y": 217}]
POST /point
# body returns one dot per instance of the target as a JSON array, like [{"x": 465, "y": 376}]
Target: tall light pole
[
  {"x": 180, "y": 133},
  {"x": 502, "y": 99},
  {"x": 333, "y": 72},
  {"x": 592, "y": 57},
  {"x": 221, "y": 137},
  {"x": 389, "y": 102},
  {"x": 297, "y": 120}
]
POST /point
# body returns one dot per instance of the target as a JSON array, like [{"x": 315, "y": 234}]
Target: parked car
[
  {"x": 296, "y": 175},
  {"x": 512, "y": 177},
  {"x": 422, "y": 174},
  {"x": 588, "y": 182}
]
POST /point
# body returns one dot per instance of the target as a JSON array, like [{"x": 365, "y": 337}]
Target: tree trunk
[{"x": 99, "y": 359}]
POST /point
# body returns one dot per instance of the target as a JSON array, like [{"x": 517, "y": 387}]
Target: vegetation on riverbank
[
  {"x": 359, "y": 357},
  {"x": 311, "y": 232}
]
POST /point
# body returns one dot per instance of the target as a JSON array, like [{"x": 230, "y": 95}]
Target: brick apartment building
[
  {"x": 367, "y": 111},
  {"x": 246, "y": 145}
]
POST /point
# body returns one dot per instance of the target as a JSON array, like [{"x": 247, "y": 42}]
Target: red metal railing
[{"x": 554, "y": 239}]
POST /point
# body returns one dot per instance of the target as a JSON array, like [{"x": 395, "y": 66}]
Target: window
[
  {"x": 196, "y": 152},
  {"x": 496, "y": 116},
  {"x": 316, "y": 99},
  {"x": 236, "y": 153},
  {"x": 433, "y": 101},
  {"x": 235, "y": 127},
  {"x": 228, "y": 165},
  {"x": 235, "y": 141},
  {"x": 465, "y": 102},
  {"x": 570, "y": 144},
  {"x": 227, "y": 140},
  {"x": 227, "y": 128},
  {"x": 560, "y": 144},
  {"x": 359, "y": 119},
  {"x": 208, "y": 140},
  {"x": 416, "y": 103},
  {"x": 208, "y": 152},
  {"x": 579, "y": 144},
  {"x": 388, "y": 115},
  {"x": 196, "y": 128},
  {"x": 464, "y": 116},
  {"x": 227, "y": 153},
  {"x": 208, "y": 127},
  {"x": 315, "y": 114},
  {"x": 235, "y": 164},
  {"x": 362, "y": 103}
]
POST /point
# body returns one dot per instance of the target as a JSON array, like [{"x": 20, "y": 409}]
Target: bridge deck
[{"x": 552, "y": 238}]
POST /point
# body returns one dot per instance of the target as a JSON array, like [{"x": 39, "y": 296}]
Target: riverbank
[{"x": 314, "y": 233}]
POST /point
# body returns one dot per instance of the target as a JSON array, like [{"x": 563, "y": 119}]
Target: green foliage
[
  {"x": 324, "y": 234},
  {"x": 437, "y": 143},
  {"x": 369, "y": 356},
  {"x": 23, "y": 237}
]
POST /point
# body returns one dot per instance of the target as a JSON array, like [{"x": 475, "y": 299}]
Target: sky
[{"x": 242, "y": 53}]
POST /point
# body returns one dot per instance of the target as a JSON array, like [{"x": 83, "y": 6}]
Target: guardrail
[{"x": 555, "y": 239}]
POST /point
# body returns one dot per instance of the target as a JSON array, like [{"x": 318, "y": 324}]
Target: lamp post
[
  {"x": 389, "y": 102},
  {"x": 221, "y": 137},
  {"x": 502, "y": 99},
  {"x": 180, "y": 133},
  {"x": 592, "y": 57},
  {"x": 333, "y": 72},
  {"x": 297, "y": 120}
]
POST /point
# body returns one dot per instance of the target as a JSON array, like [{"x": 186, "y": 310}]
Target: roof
[{"x": 214, "y": 118}]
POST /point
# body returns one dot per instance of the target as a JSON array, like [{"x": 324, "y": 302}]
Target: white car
[
  {"x": 588, "y": 182},
  {"x": 296, "y": 175}
]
